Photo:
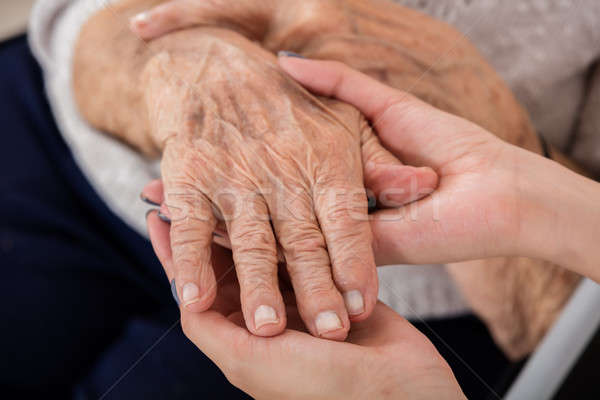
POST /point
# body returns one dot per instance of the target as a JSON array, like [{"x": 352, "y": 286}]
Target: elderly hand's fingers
[
  {"x": 159, "y": 234},
  {"x": 255, "y": 255},
  {"x": 192, "y": 224},
  {"x": 392, "y": 183},
  {"x": 341, "y": 210},
  {"x": 153, "y": 194},
  {"x": 251, "y": 18},
  {"x": 319, "y": 302}
]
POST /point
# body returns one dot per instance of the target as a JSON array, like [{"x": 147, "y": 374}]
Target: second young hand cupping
[{"x": 384, "y": 357}]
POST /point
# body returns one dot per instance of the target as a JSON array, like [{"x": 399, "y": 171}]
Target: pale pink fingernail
[
  {"x": 354, "y": 302},
  {"x": 265, "y": 315},
  {"x": 190, "y": 293},
  {"x": 327, "y": 321},
  {"x": 141, "y": 19}
]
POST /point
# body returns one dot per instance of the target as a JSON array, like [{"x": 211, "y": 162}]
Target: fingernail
[
  {"x": 147, "y": 200},
  {"x": 354, "y": 302},
  {"x": 265, "y": 315},
  {"x": 174, "y": 291},
  {"x": 163, "y": 217},
  {"x": 149, "y": 211},
  {"x": 372, "y": 203},
  {"x": 327, "y": 321},
  {"x": 141, "y": 19},
  {"x": 190, "y": 293},
  {"x": 284, "y": 53}
]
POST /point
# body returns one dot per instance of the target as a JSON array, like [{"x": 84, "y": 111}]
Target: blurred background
[{"x": 13, "y": 17}]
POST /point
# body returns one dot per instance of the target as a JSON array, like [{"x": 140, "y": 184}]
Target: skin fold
[{"x": 518, "y": 298}]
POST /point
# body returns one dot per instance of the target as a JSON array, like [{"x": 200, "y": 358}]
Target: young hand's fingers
[
  {"x": 251, "y": 18},
  {"x": 221, "y": 339},
  {"x": 412, "y": 130},
  {"x": 386, "y": 327},
  {"x": 255, "y": 255},
  {"x": 392, "y": 183},
  {"x": 335, "y": 79},
  {"x": 423, "y": 232}
]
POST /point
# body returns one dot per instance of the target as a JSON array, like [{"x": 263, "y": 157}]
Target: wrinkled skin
[
  {"x": 249, "y": 163},
  {"x": 285, "y": 165},
  {"x": 518, "y": 298},
  {"x": 384, "y": 357}
]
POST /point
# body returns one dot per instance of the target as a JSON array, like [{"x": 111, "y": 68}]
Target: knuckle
[
  {"x": 257, "y": 288},
  {"x": 306, "y": 246},
  {"x": 339, "y": 214},
  {"x": 400, "y": 102},
  {"x": 186, "y": 206},
  {"x": 318, "y": 288},
  {"x": 351, "y": 239},
  {"x": 352, "y": 273},
  {"x": 315, "y": 283},
  {"x": 254, "y": 252},
  {"x": 256, "y": 278},
  {"x": 190, "y": 235},
  {"x": 368, "y": 139},
  {"x": 308, "y": 256},
  {"x": 250, "y": 237}
]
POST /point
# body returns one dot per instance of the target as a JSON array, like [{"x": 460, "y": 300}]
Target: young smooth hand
[{"x": 493, "y": 198}]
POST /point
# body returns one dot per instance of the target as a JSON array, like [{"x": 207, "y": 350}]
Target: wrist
[
  {"x": 106, "y": 69},
  {"x": 559, "y": 215}
]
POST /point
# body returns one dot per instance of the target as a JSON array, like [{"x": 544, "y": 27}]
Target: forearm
[
  {"x": 107, "y": 72},
  {"x": 561, "y": 216}
]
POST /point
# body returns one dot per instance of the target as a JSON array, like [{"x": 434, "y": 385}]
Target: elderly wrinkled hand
[{"x": 244, "y": 144}]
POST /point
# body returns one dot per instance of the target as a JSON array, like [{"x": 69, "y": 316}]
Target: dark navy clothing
[
  {"x": 83, "y": 296},
  {"x": 86, "y": 310}
]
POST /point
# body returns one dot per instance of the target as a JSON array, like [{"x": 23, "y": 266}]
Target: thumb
[
  {"x": 393, "y": 183},
  {"x": 384, "y": 326},
  {"x": 249, "y": 18},
  {"x": 221, "y": 339}
]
